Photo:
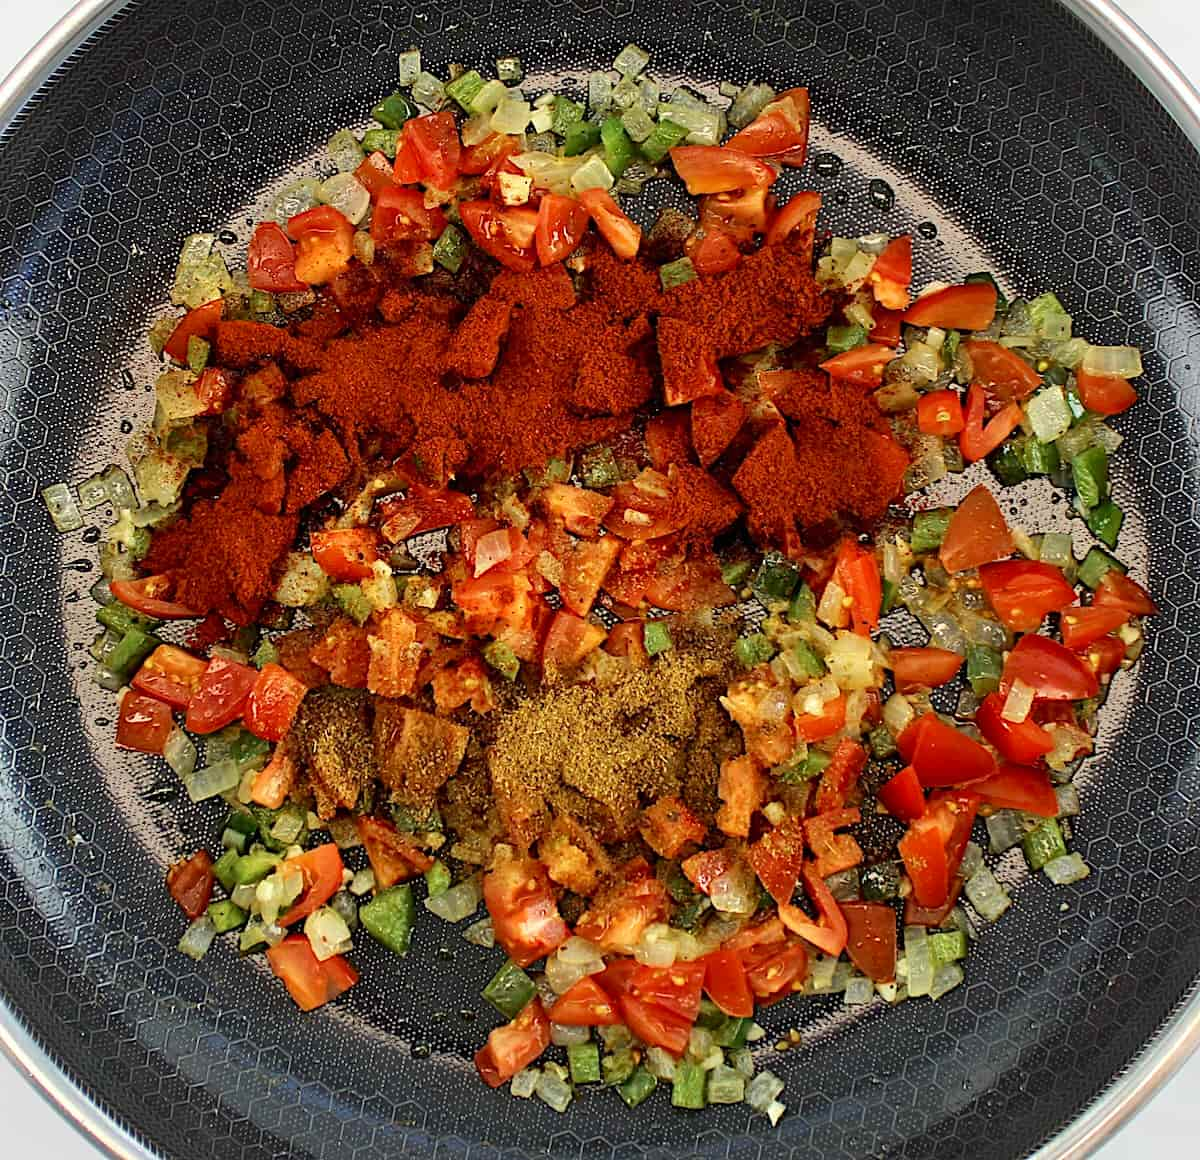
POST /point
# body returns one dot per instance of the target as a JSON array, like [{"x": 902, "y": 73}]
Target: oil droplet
[
  {"x": 73, "y": 598},
  {"x": 467, "y": 1015},
  {"x": 127, "y": 380},
  {"x": 162, "y": 793},
  {"x": 91, "y": 535},
  {"x": 227, "y": 237},
  {"x": 827, "y": 164},
  {"x": 445, "y": 954},
  {"x": 102, "y": 722},
  {"x": 840, "y": 197},
  {"x": 421, "y": 1051},
  {"x": 439, "y": 1016},
  {"x": 79, "y": 565},
  {"x": 927, "y": 230},
  {"x": 126, "y": 427},
  {"x": 881, "y": 194}
]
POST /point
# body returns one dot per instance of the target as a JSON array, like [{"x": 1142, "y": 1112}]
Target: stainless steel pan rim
[{"x": 1161, "y": 1058}]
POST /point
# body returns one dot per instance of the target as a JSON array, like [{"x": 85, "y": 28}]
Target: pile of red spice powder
[{"x": 538, "y": 365}]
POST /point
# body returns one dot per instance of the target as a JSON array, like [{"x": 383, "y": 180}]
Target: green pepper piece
[
  {"x": 880, "y": 882},
  {"x": 1105, "y": 521},
  {"x": 811, "y": 765},
  {"x": 1095, "y": 565},
  {"x": 254, "y": 867},
  {"x": 393, "y": 111},
  {"x": 637, "y": 1088},
  {"x": 381, "y": 141},
  {"x": 889, "y": 590},
  {"x": 226, "y": 915},
  {"x": 1039, "y": 458},
  {"x": 1056, "y": 376},
  {"x": 580, "y": 137},
  {"x": 437, "y": 879},
  {"x": 948, "y": 946},
  {"x": 656, "y": 636},
  {"x": 735, "y": 572},
  {"x": 803, "y": 607},
  {"x": 687, "y": 1090},
  {"x": 1089, "y": 472},
  {"x": 618, "y": 147},
  {"x": 464, "y": 89},
  {"x": 566, "y": 113},
  {"x": 223, "y": 870},
  {"x": 1008, "y": 463},
  {"x": 810, "y": 664},
  {"x": 598, "y": 467},
  {"x": 667, "y": 134},
  {"x": 839, "y": 339},
  {"x": 510, "y": 990},
  {"x": 450, "y": 250},
  {"x": 754, "y": 649},
  {"x": 501, "y": 657},
  {"x": 883, "y": 744},
  {"x": 351, "y": 599},
  {"x": 388, "y": 918},
  {"x": 134, "y": 647},
  {"x": 929, "y": 529},
  {"x": 618, "y": 1067},
  {"x": 710, "y": 1016},
  {"x": 775, "y": 580},
  {"x": 733, "y": 1032},
  {"x": 1044, "y": 843},
  {"x": 197, "y": 353},
  {"x": 583, "y": 1062},
  {"x": 121, "y": 618},
  {"x": 984, "y": 668},
  {"x": 676, "y": 273}
]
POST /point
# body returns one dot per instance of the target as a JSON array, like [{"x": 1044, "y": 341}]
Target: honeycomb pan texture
[{"x": 1008, "y": 128}]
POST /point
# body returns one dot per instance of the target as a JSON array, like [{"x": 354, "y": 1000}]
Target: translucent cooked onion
[
  {"x": 657, "y": 947},
  {"x": 735, "y": 892},
  {"x": 578, "y": 950},
  {"x": 1019, "y": 702},
  {"x": 1124, "y": 362},
  {"x": 773, "y": 705},
  {"x": 898, "y": 714},
  {"x": 458, "y": 902}
]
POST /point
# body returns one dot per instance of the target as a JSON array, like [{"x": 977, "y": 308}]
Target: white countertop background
[{"x": 1170, "y": 1124}]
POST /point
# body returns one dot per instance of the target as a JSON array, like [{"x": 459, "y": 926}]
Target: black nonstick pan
[{"x": 1018, "y": 137}]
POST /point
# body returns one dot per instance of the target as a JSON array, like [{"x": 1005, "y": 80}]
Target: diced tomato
[
  {"x": 1116, "y": 590},
  {"x": 829, "y": 933},
  {"x": 615, "y": 226},
  {"x": 585, "y": 566},
  {"x": 580, "y": 510},
  {"x": 712, "y": 251},
  {"x": 406, "y": 169},
  {"x": 669, "y": 827},
  {"x": 891, "y": 274},
  {"x": 887, "y": 328},
  {"x": 344, "y": 652},
  {"x": 840, "y": 776},
  {"x": 971, "y": 306},
  {"x": 978, "y": 438},
  {"x": 620, "y": 914},
  {"x": 514, "y": 1046},
  {"x": 1020, "y": 741},
  {"x": 799, "y": 209},
  {"x": 214, "y": 390},
  {"x": 1024, "y": 592},
  {"x": 716, "y": 421},
  {"x": 833, "y": 851},
  {"x": 498, "y": 600},
  {"x": 524, "y": 912},
  {"x": 645, "y": 508},
  {"x": 675, "y": 989},
  {"x": 777, "y": 857},
  {"x": 271, "y": 261},
  {"x": 903, "y": 796},
  {"x": 668, "y": 439},
  {"x": 200, "y": 322},
  {"x": 940, "y": 413},
  {"x": 1082, "y": 626},
  {"x": 1052, "y": 671},
  {"x": 812, "y": 727},
  {"x": 346, "y": 554},
  {"x": 424, "y": 509},
  {"x": 479, "y": 158},
  {"x": 862, "y": 365},
  {"x": 585, "y": 1004},
  {"x": 170, "y": 674},
  {"x": 628, "y": 640},
  {"x": 392, "y": 856},
  {"x": 655, "y": 1026},
  {"x": 190, "y": 883},
  {"x": 924, "y": 855},
  {"x": 924, "y": 668},
  {"x": 1105, "y": 655},
  {"x": 689, "y": 369},
  {"x": 310, "y": 981},
  {"x": 726, "y": 983},
  {"x": 374, "y": 174},
  {"x": 977, "y": 533},
  {"x": 777, "y": 970},
  {"x": 917, "y": 915},
  {"x": 506, "y": 233},
  {"x": 780, "y": 130},
  {"x": 434, "y": 141},
  {"x": 324, "y": 244},
  {"x": 401, "y": 215},
  {"x": 395, "y": 654},
  {"x": 274, "y": 781},
  {"x": 322, "y": 869},
  {"x": 706, "y": 867},
  {"x": 220, "y": 695},
  {"x": 1003, "y": 373},
  {"x": 1015, "y": 787},
  {"x": 151, "y": 597},
  {"x": 569, "y": 640},
  {"x": 1104, "y": 394},
  {"x": 741, "y": 213},
  {"x": 718, "y": 169},
  {"x": 944, "y": 755},
  {"x": 953, "y": 812},
  {"x": 273, "y": 702},
  {"x": 857, "y": 574},
  {"x": 497, "y": 548},
  {"x": 871, "y": 938},
  {"x": 561, "y": 224}
]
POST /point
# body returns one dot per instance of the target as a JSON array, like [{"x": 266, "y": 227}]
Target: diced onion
[
  {"x": 345, "y": 193},
  {"x": 945, "y": 978},
  {"x": 1124, "y": 362},
  {"x": 481, "y": 933},
  {"x": 555, "y": 1092},
  {"x": 986, "y": 894},
  {"x": 457, "y": 903},
  {"x": 735, "y": 892},
  {"x": 564, "y": 1035},
  {"x": 592, "y": 174},
  {"x": 859, "y": 990},
  {"x": 1019, "y": 702},
  {"x": 851, "y": 661},
  {"x": 898, "y": 714},
  {"x": 1066, "y": 868},
  {"x": 198, "y": 938},
  {"x": 212, "y": 780},
  {"x": 524, "y": 1083},
  {"x": 656, "y": 947},
  {"x": 919, "y": 957},
  {"x": 763, "y": 1090},
  {"x": 832, "y": 607},
  {"x": 328, "y": 933},
  {"x": 179, "y": 752}
]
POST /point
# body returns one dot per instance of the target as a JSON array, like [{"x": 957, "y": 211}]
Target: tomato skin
[
  {"x": 833, "y": 851},
  {"x": 435, "y": 144},
  {"x": 863, "y": 365},
  {"x": 274, "y": 781},
  {"x": 406, "y": 169},
  {"x": 812, "y": 727},
  {"x": 891, "y": 274},
  {"x": 499, "y": 548},
  {"x": 584, "y": 1004},
  {"x": 1104, "y": 394},
  {"x": 322, "y": 869},
  {"x": 674, "y": 989},
  {"x": 514, "y": 1046},
  {"x": 146, "y": 596},
  {"x": 715, "y": 422},
  {"x": 190, "y": 883},
  {"x": 978, "y": 438},
  {"x": 1052, "y": 671},
  {"x": 346, "y": 554},
  {"x": 1118, "y": 591},
  {"x": 655, "y": 1026},
  {"x": 1105, "y": 655},
  {"x": 488, "y": 155},
  {"x": 219, "y": 696},
  {"x": 1004, "y": 374},
  {"x": 401, "y": 215},
  {"x": 1022, "y": 742},
  {"x": 857, "y": 574},
  {"x": 422, "y": 510},
  {"x": 271, "y": 260},
  {"x": 718, "y": 169},
  {"x": 924, "y": 854},
  {"x": 519, "y": 898},
  {"x": 945, "y": 756},
  {"x": 310, "y": 982},
  {"x": 1014, "y": 787},
  {"x": 971, "y": 306},
  {"x": 871, "y": 938},
  {"x": 924, "y": 668},
  {"x": 903, "y": 796},
  {"x": 829, "y": 933},
  {"x": 1082, "y": 627},
  {"x": 273, "y": 702},
  {"x": 374, "y": 174},
  {"x": 977, "y": 533},
  {"x": 561, "y": 224},
  {"x": 506, "y": 233},
  {"x": 199, "y": 322},
  {"x": 939, "y": 413},
  {"x": 324, "y": 244},
  {"x": 616, "y": 227},
  {"x": 777, "y": 858},
  {"x": 569, "y": 640},
  {"x": 887, "y": 328},
  {"x": 917, "y": 915},
  {"x": 392, "y": 856},
  {"x": 580, "y": 510},
  {"x": 170, "y": 674},
  {"x": 841, "y": 776},
  {"x": 780, "y": 130},
  {"x": 788, "y": 218},
  {"x": 741, "y": 214},
  {"x": 726, "y": 983},
  {"x": 774, "y": 972},
  {"x": 1023, "y": 592},
  {"x": 712, "y": 251}
]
